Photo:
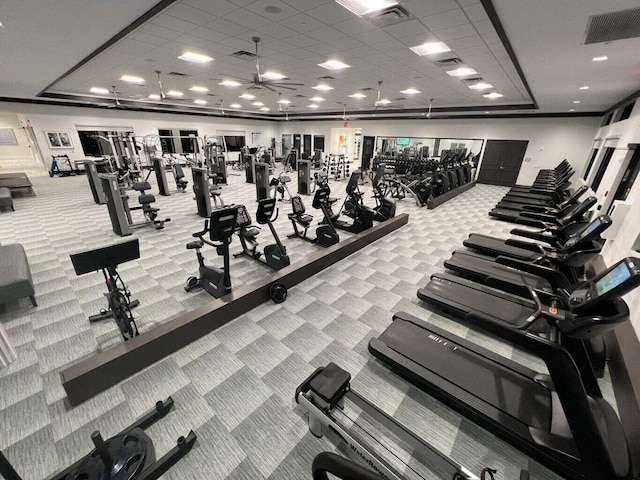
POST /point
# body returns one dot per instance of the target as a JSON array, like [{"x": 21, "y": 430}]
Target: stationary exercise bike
[
  {"x": 275, "y": 254},
  {"x": 221, "y": 225},
  {"x": 326, "y": 234},
  {"x": 279, "y": 185}
]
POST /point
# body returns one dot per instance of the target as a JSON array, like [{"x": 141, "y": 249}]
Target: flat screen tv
[{"x": 402, "y": 141}]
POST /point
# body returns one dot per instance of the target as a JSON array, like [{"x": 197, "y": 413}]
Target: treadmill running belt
[
  {"x": 497, "y": 246},
  {"x": 512, "y": 392},
  {"x": 462, "y": 299},
  {"x": 484, "y": 270}
]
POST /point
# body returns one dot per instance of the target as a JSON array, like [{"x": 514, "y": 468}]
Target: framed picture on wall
[{"x": 58, "y": 139}]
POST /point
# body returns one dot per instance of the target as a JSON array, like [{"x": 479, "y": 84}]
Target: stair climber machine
[
  {"x": 353, "y": 207},
  {"x": 326, "y": 234},
  {"x": 118, "y": 205},
  {"x": 385, "y": 207},
  {"x": 560, "y": 419},
  {"x": 328, "y": 400},
  {"x": 128, "y": 455},
  {"x": 275, "y": 254},
  {"x": 215, "y": 281}
]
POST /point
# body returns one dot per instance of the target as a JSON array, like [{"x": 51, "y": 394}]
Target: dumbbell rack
[{"x": 337, "y": 166}]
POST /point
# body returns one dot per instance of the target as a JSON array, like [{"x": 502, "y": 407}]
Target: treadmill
[
  {"x": 560, "y": 419},
  {"x": 511, "y": 202},
  {"x": 535, "y": 219},
  {"x": 586, "y": 241}
]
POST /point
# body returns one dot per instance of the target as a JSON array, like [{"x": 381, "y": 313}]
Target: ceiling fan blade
[
  {"x": 268, "y": 87},
  {"x": 282, "y": 86},
  {"x": 286, "y": 83}
]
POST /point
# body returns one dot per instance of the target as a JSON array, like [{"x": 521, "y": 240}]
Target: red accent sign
[
  {"x": 553, "y": 310},
  {"x": 345, "y": 124}
]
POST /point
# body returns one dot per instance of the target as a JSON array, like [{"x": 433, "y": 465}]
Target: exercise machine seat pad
[
  {"x": 329, "y": 383},
  {"x": 146, "y": 198},
  {"x": 249, "y": 232}
]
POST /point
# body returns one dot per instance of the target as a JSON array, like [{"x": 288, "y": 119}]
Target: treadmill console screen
[
  {"x": 613, "y": 279},
  {"x": 591, "y": 228}
]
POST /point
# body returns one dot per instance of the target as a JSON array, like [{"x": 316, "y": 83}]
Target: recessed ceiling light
[
  {"x": 235, "y": 105},
  {"x": 323, "y": 87},
  {"x": 480, "y": 86},
  {"x": 576, "y": 101},
  {"x": 313, "y": 105},
  {"x": 410, "y": 91},
  {"x": 200, "y": 101},
  {"x": 175, "y": 93},
  {"x": 462, "y": 72},
  {"x": 273, "y": 75},
  {"x": 364, "y": 7},
  {"x": 430, "y": 48},
  {"x": 257, "y": 104},
  {"x": 154, "y": 96},
  {"x": 384, "y": 101},
  {"x": 334, "y": 65},
  {"x": 195, "y": 57},
  {"x": 492, "y": 95},
  {"x": 131, "y": 79},
  {"x": 317, "y": 99},
  {"x": 486, "y": 112},
  {"x": 265, "y": 109},
  {"x": 572, "y": 109},
  {"x": 584, "y": 87},
  {"x": 98, "y": 90},
  {"x": 230, "y": 83},
  {"x": 602, "y": 58},
  {"x": 358, "y": 95},
  {"x": 284, "y": 101},
  {"x": 248, "y": 96},
  {"x": 197, "y": 88}
]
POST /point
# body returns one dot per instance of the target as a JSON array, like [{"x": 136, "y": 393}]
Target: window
[
  {"x": 591, "y": 160},
  {"x": 318, "y": 142},
  {"x": 234, "y": 142},
  {"x": 167, "y": 143},
  {"x": 607, "y": 120},
  {"x": 608, "y": 153},
  {"x": 626, "y": 111},
  {"x": 189, "y": 145},
  {"x": 99, "y": 143}
]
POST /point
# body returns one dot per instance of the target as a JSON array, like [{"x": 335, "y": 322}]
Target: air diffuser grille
[
  {"x": 390, "y": 16},
  {"x": 613, "y": 26},
  {"x": 243, "y": 54}
]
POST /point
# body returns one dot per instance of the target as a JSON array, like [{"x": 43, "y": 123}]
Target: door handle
[{"x": 501, "y": 168}]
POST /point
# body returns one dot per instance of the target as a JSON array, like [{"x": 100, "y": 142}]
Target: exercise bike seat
[
  {"x": 195, "y": 245},
  {"x": 303, "y": 219},
  {"x": 249, "y": 233},
  {"x": 146, "y": 199},
  {"x": 141, "y": 186},
  {"x": 285, "y": 178},
  {"x": 215, "y": 190}
]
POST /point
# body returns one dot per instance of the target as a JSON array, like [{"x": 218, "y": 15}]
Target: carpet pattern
[{"x": 235, "y": 386}]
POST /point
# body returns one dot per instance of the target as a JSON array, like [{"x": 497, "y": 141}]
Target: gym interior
[{"x": 287, "y": 239}]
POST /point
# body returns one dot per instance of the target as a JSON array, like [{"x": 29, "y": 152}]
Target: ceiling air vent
[
  {"x": 449, "y": 62},
  {"x": 244, "y": 55},
  {"x": 613, "y": 26},
  {"x": 390, "y": 16},
  {"x": 327, "y": 77},
  {"x": 177, "y": 74}
]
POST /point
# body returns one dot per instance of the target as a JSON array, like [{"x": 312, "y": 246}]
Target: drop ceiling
[{"x": 546, "y": 38}]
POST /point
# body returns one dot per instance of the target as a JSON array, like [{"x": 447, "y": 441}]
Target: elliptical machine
[
  {"x": 326, "y": 234},
  {"x": 353, "y": 207},
  {"x": 279, "y": 185},
  {"x": 215, "y": 281},
  {"x": 385, "y": 207},
  {"x": 275, "y": 254}
]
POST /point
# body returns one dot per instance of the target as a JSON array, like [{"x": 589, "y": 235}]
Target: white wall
[
  {"x": 550, "y": 139},
  {"x": 14, "y": 152},
  {"x": 52, "y": 117},
  {"x": 623, "y": 133}
]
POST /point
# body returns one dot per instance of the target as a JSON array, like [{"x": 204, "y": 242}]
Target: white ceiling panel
[
  {"x": 422, "y": 8},
  {"x": 247, "y": 19},
  {"x": 190, "y": 14},
  {"x": 406, "y": 29},
  {"x": 173, "y": 23},
  {"x": 461, "y": 31},
  {"x": 274, "y": 10},
  {"x": 302, "y": 23},
  {"x": 330, "y": 13},
  {"x": 159, "y": 31},
  {"x": 219, "y": 8},
  {"x": 475, "y": 12},
  {"x": 226, "y": 27},
  {"x": 276, "y": 31},
  {"x": 440, "y": 21}
]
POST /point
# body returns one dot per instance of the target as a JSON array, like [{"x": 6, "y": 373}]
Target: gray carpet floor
[{"x": 234, "y": 387}]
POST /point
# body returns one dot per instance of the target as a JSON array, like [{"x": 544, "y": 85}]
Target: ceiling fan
[
  {"x": 116, "y": 100},
  {"x": 259, "y": 81}
]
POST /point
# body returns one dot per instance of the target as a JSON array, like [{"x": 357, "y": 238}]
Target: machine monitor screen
[
  {"x": 613, "y": 279},
  {"x": 402, "y": 141},
  {"x": 591, "y": 227}
]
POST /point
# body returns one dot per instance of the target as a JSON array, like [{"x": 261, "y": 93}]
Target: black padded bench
[{"x": 5, "y": 198}]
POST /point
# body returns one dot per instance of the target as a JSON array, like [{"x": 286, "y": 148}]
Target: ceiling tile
[
  {"x": 302, "y": 23},
  {"x": 453, "y": 33},
  {"x": 444, "y": 20},
  {"x": 276, "y": 31},
  {"x": 323, "y": 49},
  {"x": 371, "y": 37},
  {"x": 423, "y": 8},
  {"x": 143, "y": 37},
  {"x": 354, "y": 27},
  {"x": 345, "y": 43},
  {"x": 406, "y": 29},
  {"x": 226, "y": 27},
  {"x": 267, "y": 9},
  {"x": 241, "y": 3},
  {"x": 465, "y": 42},
  {"x": 414, "y": 40},
  {"x": 300, "y": 41},
  {"x": 247, "y": 19},
  {"x": 304, "y": 5},
  {"x": 218, "y": 8},
  {"x": 158, "y": 31},
  {"x": 189, "y": 41},
  {"x": 189, "y": 14},
  {"x": 476, "y": 12},
  {"x": 208, "y": 34},
  {"x": 491, "y": 37},
  {"x": 173, "y": 23},
  {"x": 330, "y": 13},
  {"x": 483, "y": 26},
  {"x": 326, "y": 33}
]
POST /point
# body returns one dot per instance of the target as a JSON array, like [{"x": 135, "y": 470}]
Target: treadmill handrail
[
  {"x": 533, "y": 247},
  {"x": 570, "y": 391},
  {"x": 341, "y": 467}
]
